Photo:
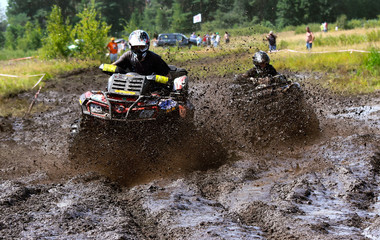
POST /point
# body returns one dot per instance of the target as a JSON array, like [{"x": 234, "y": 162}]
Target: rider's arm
[{"x": 124, "y": 61}]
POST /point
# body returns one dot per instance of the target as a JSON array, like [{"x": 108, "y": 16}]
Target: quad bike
[
  {"x": 130, "y": 97},
  {"x": 270, "y": 109},
  {"x": 266, "y": 86}
]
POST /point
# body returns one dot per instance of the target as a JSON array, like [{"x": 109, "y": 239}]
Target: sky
[{"x": 3, "y": 3}]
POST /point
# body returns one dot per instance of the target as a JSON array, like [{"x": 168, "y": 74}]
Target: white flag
[{"x": 197, "y": 18}]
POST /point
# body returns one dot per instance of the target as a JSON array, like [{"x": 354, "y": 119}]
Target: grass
[
  {"x": 6, "y": 54},
  {"x": 10, "y": 85}
]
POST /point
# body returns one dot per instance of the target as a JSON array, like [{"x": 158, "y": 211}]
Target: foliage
[
  {"x": 373, "y": 36},
  {"x": 32, "y": 37},
  {"x": 355, "y": 23},
  {"x": 56, "y": 42},
  {"x": 180, "y": 20},
  {"x": 341, "y": 40},
  {"x": 341, "y": 21},
  {"x": 314, "y": 27},
  {"x": 92, "y": 34},
  {"x": 11, "y": 34},
  {"x": 372, "y": 62},
  {"x": 2, "y": 40},
  {"x": 6, "y": 54},
  {"x": 134, "y": 22}
]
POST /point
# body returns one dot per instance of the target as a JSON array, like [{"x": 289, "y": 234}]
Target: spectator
[
  {"x": 212, "y": 40},
  {"x": 123, "y": 46},
  {"x": 193, "y": 35},
  {"x": 217, "y": 40},
  {"x": 226, "y": 37},
  {"x": 208, "y": 39},
  {"x": 204, "y": 40},
  {"x": 112, "y": 48},
  {"x": 272, "y": 41},
  {"x": 199, "y": 40},
  {"x": 309, "y": 38}
]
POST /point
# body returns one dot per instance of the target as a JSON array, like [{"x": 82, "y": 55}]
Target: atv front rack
[{"x": 126, "y": 84}]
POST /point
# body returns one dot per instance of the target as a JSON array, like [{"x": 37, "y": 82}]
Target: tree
[
  {"x": 32, "y": 37},
  {"x": 92, "y": 33},
  {"x": 58, "y": 38},
  {"x": 161, "y": 21},
  {"x": 134, "y": 22},
  {"x": 181, "y": 21},
  {"x": 3, "y": 20}
]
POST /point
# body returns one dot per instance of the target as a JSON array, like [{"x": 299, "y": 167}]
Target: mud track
[{"x": 240, "y": 172}]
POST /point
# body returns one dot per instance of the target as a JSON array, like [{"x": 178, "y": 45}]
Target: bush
[
  {"x": 58, "y": 38},
  {"x": 283, "y": 44},
  {"x": 355, "y": 23},
  {"x": 288, "y": 28},
  {"x": 92, "y": 34},
  {"x": 372, "y": 63},
  {"x": 373, "y": 36},
  {"x": 341, "y": 40},
  {"x": 372, "y": 23},
  {"x": 314, "y": 27},
  {"x": 341, "y": 21}
]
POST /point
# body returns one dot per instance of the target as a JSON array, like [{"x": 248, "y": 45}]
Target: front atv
[{"x": 132, "y": 97}]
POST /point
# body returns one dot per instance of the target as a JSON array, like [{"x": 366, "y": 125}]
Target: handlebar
[{"x": 111, "y": 69}]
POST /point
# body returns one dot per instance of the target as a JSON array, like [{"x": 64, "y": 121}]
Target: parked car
[
  {"x": 173, "y": 39},
  {"x": 193, "y": 41}
]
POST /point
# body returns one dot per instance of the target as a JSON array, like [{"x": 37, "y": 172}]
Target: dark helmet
[
  {"x": 260, "y": 57},
  {"x": 139, "y": 43}
]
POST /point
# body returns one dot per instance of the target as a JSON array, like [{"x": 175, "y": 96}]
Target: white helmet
[{"x": 139, "y": 43}]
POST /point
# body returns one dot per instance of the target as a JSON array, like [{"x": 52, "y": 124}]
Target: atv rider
[
  {"x": 261, "y": 68},
  {"x": 139, "y": 59},
  {"x": 262, "y": 72}
]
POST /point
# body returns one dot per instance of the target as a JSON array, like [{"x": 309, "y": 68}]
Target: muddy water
[{"x": 227, "y": 177}]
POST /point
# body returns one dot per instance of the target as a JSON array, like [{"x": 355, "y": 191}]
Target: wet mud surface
[{"x": 285, "y": 166}]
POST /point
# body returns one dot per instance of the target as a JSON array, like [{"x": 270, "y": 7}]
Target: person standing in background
[
  {"x": 217, "y": 40},
  {"x": 226, "y": 37},
  {"x": 112, "y": 48},
  {"x": 309, "y": 38},
  {"x": 272, "y": 41}
]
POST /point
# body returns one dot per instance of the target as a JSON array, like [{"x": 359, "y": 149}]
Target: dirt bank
[{"x": 226, "y": 177}]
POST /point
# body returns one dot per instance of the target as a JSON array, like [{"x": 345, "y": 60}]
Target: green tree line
[{"x": 24, "y": 23}]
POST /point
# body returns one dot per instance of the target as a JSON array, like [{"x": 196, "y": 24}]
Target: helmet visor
[{"x": 140, "y": 48}]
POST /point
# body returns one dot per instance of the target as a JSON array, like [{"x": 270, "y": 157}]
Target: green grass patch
[
  {"x": 346, "y": 73},
  {"x": 346, "y": 40},
  {"x": 324, "y": 62},
  {"x": 6, "y": 54},
  {"x": 372, "y": 62},
  {"x": 352, "y": 84}
]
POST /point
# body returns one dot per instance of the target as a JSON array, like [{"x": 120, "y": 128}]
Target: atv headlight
[{"x": 96, "y": 108}]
